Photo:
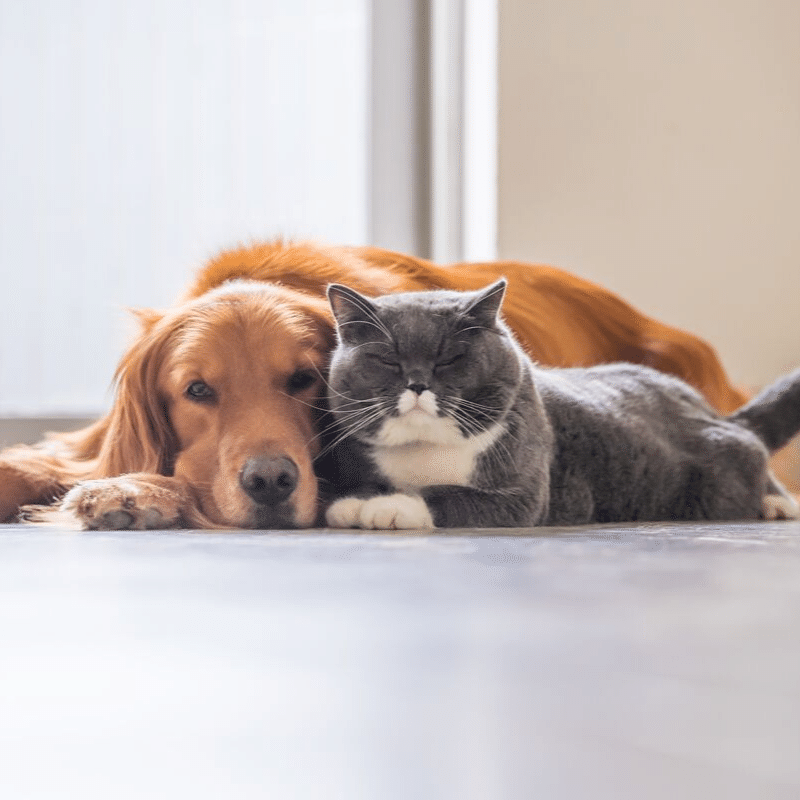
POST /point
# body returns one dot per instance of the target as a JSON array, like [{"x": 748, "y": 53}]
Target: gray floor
[{"x": 608, "y": 662}]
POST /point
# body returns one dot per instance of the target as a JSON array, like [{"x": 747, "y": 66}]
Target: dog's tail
[{"x": 773, "y": 414}]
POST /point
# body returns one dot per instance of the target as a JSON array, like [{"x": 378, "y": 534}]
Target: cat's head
[{"x": 432, "y": 366}]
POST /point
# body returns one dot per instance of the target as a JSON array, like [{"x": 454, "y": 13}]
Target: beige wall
[{"x": 655, "y": 147}]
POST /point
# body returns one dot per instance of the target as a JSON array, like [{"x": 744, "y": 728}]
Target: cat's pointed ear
[
  {"x": 349, "y": 308},
  {"x": 485, "y": 308}
]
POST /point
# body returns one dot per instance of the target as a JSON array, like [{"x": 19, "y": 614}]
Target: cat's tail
[{"x": 773, "y": 414}]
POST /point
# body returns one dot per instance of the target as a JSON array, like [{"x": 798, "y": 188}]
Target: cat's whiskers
[
  {"x": 328, "y": 386},
  {"x": 349, "y": 417},
  {"x": 373, "y": 318},
  {"x": 461, "y": 401},
  {"x": 365, "y": 322},
  {"x": 469, "y": 425},
  {"x": 345, "y": 435},
  {"x": 364, "y": 344},
  {"x": 305, "y": 403},
  {"x": 320, "y": 399},
  {"x": 365, "y": 401},
  {"x": 368, "y": 400},
  {"x": 350, "y": 401},
  {"x": 501, "y": 456},
  {"x": 456, "y": 404},
  {"x": 464, "y": 420},
  {"x": 499, "y": 453},
  {"x": 348, "y": 413},
  {"x": 362, "y": 417},
  {"x": 492, "y": 413},
  {"x": 477, "y": 328}
]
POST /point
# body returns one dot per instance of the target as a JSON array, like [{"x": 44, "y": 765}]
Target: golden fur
[{"x": 253, "y": 321}]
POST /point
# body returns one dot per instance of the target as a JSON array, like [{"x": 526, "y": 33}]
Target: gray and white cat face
[{"x": 434, "y": 367}]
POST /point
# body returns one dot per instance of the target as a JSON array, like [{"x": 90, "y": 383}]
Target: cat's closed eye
[
  {"x": 449, "y": 362},
  {"x": 386, "y": 361}
]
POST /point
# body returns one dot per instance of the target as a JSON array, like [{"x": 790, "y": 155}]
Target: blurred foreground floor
[{"x": 639, "y": 662}]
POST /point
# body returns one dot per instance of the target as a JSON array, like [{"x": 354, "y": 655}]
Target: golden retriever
[{"x": 218, "y": 409}]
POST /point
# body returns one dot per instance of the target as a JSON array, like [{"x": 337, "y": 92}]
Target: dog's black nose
[
  {"x": 419, "y": 388},
  {"x": 269, "y": 479}
]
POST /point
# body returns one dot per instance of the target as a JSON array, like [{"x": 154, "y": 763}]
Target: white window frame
[
  {"x": 432, "y": 167},
  {"x": 434, "y": 160}
]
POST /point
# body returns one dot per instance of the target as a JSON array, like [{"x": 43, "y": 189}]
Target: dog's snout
[{"x": 269, "y": 480}]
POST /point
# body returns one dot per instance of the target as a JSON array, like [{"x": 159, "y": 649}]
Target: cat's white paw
[
  {"x": 344, "y": 513},
  {"x": 386, "y": 512},
  {"x": 777, "y": 506},
  {"x": 395, "y": 512}
]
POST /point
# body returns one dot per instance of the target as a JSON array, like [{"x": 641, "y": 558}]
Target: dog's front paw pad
[
  {"x": 395, "y": 512},
  {"x": 113, "y": 504},
  {"x": 117, "y": 520},
  {"x": 344, "y": 513}
]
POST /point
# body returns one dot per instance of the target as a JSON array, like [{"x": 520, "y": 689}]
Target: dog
[{"x": 218, "y": 416}]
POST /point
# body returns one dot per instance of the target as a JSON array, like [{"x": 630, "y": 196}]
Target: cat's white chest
[
  {"x": 414, "y": 466},
  {"x": 418, "y": 449}
]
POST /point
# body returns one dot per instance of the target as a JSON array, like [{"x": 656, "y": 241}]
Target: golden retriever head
[{"x": 223, "y": 393}]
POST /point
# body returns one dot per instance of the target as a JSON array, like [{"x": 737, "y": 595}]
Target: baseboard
[{"x": 27, "y": 430}]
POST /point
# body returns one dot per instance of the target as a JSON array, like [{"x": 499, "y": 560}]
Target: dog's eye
[
  {"x": 302, "y": 379},
  {"x": 198, "y": 390}
]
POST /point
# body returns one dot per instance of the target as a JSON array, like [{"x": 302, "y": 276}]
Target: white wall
[
  {"x": 655, "y": 147},
  {"x": 137, "y": 139}
]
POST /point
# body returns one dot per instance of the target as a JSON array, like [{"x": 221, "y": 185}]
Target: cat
[{"x": 443, "y": 421}]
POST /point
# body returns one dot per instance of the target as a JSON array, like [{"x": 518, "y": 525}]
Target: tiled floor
[{"x": 619, "y": 662}]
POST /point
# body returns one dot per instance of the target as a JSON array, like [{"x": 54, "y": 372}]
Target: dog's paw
[
  {"x": 109, "y": 504},
  {"x": 386, "y": 512},
  {"x": 778, "y": 506}
]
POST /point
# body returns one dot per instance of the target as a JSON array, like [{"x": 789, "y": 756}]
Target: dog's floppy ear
[
  {"x": 148, "y": 318},
  {"x": 140, "y": 437}
]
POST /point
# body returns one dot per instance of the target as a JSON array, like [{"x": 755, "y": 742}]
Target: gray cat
[{"x": 444, "y": 421}]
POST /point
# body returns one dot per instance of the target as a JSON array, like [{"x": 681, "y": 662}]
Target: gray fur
[{"x": 612, "y": 443}]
